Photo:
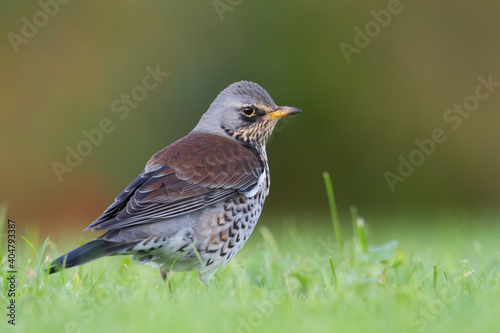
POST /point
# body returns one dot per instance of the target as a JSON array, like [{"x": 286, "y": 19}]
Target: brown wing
[{"x": 192, "y": 173}]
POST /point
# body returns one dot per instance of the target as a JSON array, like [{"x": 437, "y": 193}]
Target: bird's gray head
[{"x": 245, "y": 112}]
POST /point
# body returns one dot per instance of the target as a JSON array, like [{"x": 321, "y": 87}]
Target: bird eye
[{"x": 248, "y": 111}]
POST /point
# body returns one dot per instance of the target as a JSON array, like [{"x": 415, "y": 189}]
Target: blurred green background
[{"x": 359, "y": 116}]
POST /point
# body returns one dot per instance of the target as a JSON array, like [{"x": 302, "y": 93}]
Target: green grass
[{"x": 399, "y": 275}]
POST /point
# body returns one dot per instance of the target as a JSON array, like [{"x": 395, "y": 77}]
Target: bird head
[{"x": 245, "y": 112}]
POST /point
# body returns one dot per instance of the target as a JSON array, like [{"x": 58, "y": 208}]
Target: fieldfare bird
[{"x": 197, "y": 201}]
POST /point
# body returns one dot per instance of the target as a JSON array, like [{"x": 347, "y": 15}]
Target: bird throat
[{"x": 254, "y": 135}]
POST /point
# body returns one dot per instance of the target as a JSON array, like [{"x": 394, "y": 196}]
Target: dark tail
[{"x": 87, "y": 252}]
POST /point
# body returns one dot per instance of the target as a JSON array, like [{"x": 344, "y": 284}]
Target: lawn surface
[{"x": 416, "y": 275}]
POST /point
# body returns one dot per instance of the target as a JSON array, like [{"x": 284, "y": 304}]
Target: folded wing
[{"x": 190, "y": 174}]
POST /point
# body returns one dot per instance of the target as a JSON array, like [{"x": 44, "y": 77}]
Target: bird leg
[
  {"x": 164, "y": 275},
  {"x": 203, "y": 279}
]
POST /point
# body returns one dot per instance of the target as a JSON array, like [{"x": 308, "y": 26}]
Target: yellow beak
[{"x": 283, "y": 111}]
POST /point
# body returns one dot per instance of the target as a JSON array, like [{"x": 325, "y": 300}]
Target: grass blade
[
  {"x": 333, "y": 271},
  {"x": 333, "y": 209},
  {"x": 434, "y": 271},
  {"x": 43, "y": 249},
  {"x": 30, "y": 244},
  {"x": 360, "y": 223}
]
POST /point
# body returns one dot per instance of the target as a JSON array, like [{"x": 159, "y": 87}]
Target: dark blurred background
[{"x": 63, "y": 66}]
